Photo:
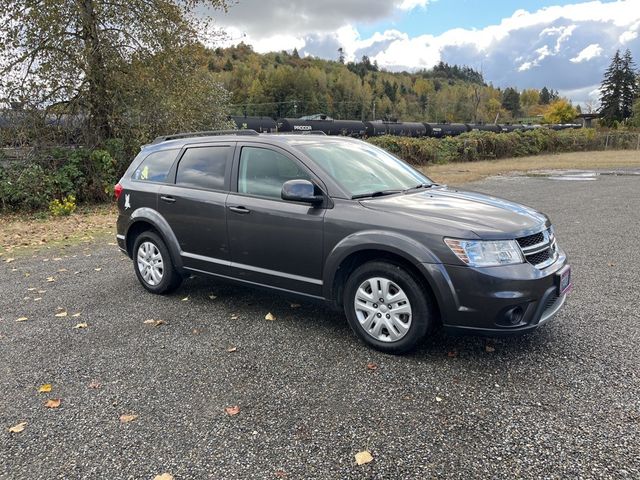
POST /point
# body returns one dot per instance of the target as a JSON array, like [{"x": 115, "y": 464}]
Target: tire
[
  {"x": 159, "y": 277},
  {"x": 401, "y": 321}
]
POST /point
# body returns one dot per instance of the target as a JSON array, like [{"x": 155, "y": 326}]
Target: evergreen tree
[
  {"x": 545, "y": 96},
  {"x": 511, "y": 101},
  {"x": 629, "y": 87},
  {"x": 611, "y": 91},
  {"x": 341, "y": 55}
]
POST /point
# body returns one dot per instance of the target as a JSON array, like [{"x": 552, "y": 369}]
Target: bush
[
  {"x": 481, "y": 145},
  {"x": 87, "y": 175},
  {"x": 64, "y": 207}
]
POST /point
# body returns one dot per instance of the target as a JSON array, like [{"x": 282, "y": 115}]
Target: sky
[{"x": 564, "y": 45}]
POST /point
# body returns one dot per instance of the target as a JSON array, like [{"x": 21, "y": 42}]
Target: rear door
[
  {"x": 195, "y": 205},
  {"x": 272, "y": 241}
]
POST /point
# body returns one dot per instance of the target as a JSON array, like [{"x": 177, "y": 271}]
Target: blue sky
[{"x": 564, "y": 45}]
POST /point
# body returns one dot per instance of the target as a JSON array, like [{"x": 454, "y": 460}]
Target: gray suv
[{"x": 341, "y": 221}]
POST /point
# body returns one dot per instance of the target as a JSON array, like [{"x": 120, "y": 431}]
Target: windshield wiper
[
  {"x": 421, "y": 185},
  {"x": 379, "y": 193}
]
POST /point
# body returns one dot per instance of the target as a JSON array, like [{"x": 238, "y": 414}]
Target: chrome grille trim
[{"x": 548, "y": 244}]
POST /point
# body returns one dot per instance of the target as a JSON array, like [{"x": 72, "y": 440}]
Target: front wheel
[
  {"x": 387, "y": 307},
  {"x": 153, "y": 265}
]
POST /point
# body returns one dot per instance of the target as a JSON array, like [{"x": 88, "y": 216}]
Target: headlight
[{"x": 483, "y": 253}]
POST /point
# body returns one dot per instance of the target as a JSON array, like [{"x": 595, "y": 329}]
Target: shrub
[{"x": 64, "y": 207}]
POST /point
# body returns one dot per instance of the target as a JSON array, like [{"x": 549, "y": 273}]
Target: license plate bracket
[{"x": 564, "y": 280}]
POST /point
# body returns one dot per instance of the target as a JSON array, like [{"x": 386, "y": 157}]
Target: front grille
[
  {"x": 550, "y": 302},
  {"x": 539, "y": 249},
  {"x": 531, "y": 240}
]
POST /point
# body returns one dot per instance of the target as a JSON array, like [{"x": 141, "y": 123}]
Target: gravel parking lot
[{"x": 563, "y": 402}]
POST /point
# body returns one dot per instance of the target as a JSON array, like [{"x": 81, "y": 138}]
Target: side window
[
  {"x": 155, "y": 167},
  {"x": 263, "y": 171},
  {"x": 203, "y": 167}
]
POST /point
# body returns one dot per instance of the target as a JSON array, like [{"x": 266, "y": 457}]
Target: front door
[{"x": 272, "y": 241}]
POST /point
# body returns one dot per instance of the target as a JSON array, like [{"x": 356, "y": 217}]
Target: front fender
[
  {"x": 152, "y": 217},
  {"x": 406, "y": 247}
]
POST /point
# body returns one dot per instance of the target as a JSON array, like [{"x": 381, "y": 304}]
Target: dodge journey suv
[{"x": 341, "y": 221}]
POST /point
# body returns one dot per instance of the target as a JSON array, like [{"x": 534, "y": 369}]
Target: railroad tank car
[
  {"x": 259, "y": 124},
  {"x": 508, "y": 127},
  {"x": 402, "y": 129},
  {"x": 348, "y": 128},
  {"x": 484, "y": 127},
  {"x": 439, "y": 130}
]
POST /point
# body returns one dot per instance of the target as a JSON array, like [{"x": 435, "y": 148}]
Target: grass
[
  {"x": 25, "y": 234},
  {"x": 464, "y": 172}
]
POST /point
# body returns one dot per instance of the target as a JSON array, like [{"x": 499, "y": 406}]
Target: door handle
[
  {"x": 167, "y": 199},
  {"x": 241, "y": 210}
]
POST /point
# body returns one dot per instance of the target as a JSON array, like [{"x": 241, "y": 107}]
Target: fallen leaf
[
  {"x": 9, "y": 260},
  {"x": 46, "y": 388},
  {"x": 281, "y": 474},
  {"x": 363, "y": 457},
  {"x": 81, "y": 325},
  {"x": 37, "y": 299},
  {"x": 18, "y": 428},
  {"x": 611, "y": 264},
  {"x": 213, "y": 297},
  {"x": 22, "y": 319},
  {"x": 185, "y": 299},
  {"x": 438, "y": 399},
  {"x": 126, "y": 418},
  {"x": 62, "y": 270},
  {"x": 231, "y": 411},
  {"x": 372, "y": 366},
  {"x": 95, "y": 384},
  {"x": 234, "y": 316},
  {"x": 489, "y": 348},
  {"x": 62, "y": 314},
  {"x": 98, "y": 269},
  {"x": 295, "y": 305},
  {"x": 269, "y": 316},
  {"x": 164, "y": 476},
  {"x": 232, "y": 349},
  {"x": 51, "y": 279},
  {"x": 452, "y": 354},
  {"x": 31, "y": 289},
  {"x": 53, "y": 403},
  {"x": 153, "y": 322},
  {"x": 76, "y": 315},
  {"x": 42, "y": 291}
]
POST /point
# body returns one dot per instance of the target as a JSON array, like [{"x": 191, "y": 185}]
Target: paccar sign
[{"x": 302, "y": 127}]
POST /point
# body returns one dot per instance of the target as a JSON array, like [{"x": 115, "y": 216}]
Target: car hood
[{"x": 486, "y": 216}]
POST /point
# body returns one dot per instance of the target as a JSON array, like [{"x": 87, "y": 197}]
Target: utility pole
[{"x": 374, "y": 110}]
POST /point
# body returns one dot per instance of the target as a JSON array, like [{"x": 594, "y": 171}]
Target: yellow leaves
[
  {"x": 232, "y": 349},
  {"x": 46, "y": 388},
  {"x": 51, "y": 279},
  {"x": 127, "y": 417},
  {"x": 164, "y": 476},
  {"x": 155, "y": 323},
  {"x": 76, "y": 315},
  {"x": 53, "y": 403},
  {"x": 98, "y": 269},
  {"x": 233, "y": 410},
  {"x": 9, "y": 260},
  {"x": 363, "y": 457},
  {"x": 22, "y": 319},
  {"x": 438, "y": 399},
  {"x": 62, "y": 270},
  {"x": 269, "y": 316},
  {"x": 80, "y": 325},
  {"x": 61, "y": 314},
  {"x": 234, "y": 316},
  {"x": 19, "y": 428},
  {"x": 185, "y": 299}
]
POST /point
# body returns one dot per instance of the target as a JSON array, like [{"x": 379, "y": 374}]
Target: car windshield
[{"x": 363, "y": 169}]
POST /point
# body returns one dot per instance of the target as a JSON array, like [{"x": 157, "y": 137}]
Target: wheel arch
[{"x": 146, "y": 219}]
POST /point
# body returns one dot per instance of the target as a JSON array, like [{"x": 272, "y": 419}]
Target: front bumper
[{"x": 496, "y": 301}]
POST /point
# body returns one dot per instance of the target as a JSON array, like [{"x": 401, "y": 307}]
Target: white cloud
[
  {"x": 630, "y": 34},
  {"x": 411, "y": 4},
  {"x": 592, "y": 51}
]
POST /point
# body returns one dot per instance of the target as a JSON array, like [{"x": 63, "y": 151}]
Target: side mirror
[{"x": 301, "y": 191}]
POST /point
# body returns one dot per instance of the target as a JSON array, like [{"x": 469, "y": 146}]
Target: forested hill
[{"x": 286, "y": 85}]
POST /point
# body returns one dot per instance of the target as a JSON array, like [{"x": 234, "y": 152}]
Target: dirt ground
[{"x": 20, "y": 233}]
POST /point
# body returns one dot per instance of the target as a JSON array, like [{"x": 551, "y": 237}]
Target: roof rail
[{"x": 207, "y": 133}]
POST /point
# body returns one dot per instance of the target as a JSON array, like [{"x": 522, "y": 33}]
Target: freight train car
[
  {"x": 259, "y": 124},
  {"x": 348, "y": 128},
  {"x": 402, "y": 129}
]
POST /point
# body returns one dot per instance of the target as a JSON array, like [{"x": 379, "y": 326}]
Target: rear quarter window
[
  {"x": 155, "y": 167},
  {"x": 203, "y": 167}
]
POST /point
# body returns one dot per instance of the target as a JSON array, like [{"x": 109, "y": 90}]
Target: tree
[
  {"x": 341, "y": 55},
  {"x": 545, "y": 96},
  {"x": 511, "y": 101},
  {"x": 75, "y": 52},
  {"x": 560, "y": 111},
  {"x": 618, "y": 90}
]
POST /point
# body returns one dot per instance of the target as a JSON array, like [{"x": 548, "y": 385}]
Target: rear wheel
[
  {"x": 387, "y": 307},
  {"x": 153, "y": 265}
]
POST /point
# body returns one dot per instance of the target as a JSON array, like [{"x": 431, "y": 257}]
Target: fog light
[{"x": 514, "y": 316}]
